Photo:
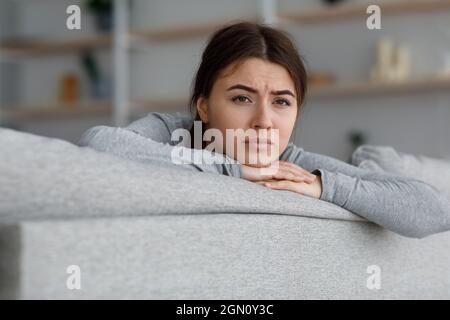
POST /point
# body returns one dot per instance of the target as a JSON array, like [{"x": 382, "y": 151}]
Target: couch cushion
[
  {"x": 435, "y": 172},
  {"x": 51, "y": 178}
]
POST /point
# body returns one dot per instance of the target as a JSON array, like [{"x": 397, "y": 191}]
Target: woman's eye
[
  {"x": 283, "y": 102},
  {"x": 241, "y": 99}
]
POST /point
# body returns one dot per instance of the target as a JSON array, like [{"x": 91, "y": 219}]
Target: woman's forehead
[{"x": 256, "y": 72}]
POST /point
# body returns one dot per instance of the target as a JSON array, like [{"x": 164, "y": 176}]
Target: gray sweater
[{"x": 402, "y": 204}]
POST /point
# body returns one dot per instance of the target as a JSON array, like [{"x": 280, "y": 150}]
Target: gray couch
[{"x": 138, "y": 231}]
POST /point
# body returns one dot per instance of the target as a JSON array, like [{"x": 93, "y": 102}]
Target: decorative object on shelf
[
  {"x": 90, "y": 65},
  {"x": 69, "y": 88},
  {"x": 99, "y": 84},
  {"x": 356, "y": 139},
  {"x": 103, "y": 12},
  {"x": 332, "y": 2},
  {"x": 393, "y": 63},
  {"x": 321, "y": 78}
]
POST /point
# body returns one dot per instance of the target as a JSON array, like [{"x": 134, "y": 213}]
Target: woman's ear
[{"x": 202, "y": 109}]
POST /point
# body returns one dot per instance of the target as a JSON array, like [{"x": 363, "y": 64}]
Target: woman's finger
[
  {"x": 289, "y": 174},
  {"x": 299, "y": 174},
  {"x": 279, "y": 170},
  {"x": 310, "y": 190},
  {"x": 281, "y": 185},
  {"x": 298, "y": 170}
]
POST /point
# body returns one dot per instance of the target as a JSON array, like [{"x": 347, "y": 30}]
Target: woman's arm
[
  {"x": 159, "y": 126},
  {"x": 136, "y": 142},
  {"x": 404, "y": 205}
]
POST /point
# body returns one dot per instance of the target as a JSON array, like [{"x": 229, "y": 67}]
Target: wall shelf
[
  {"x": 353, "y": 90},
  {"x": 159, "y": 104},
  {"x": 345, "y": 90},
  {"x": 56, "y": 111},
  {"x": 141, "y": 106},
  {"x": 181, "y": 31},
  {"x": 38, "y": 48},
  {"x": 309, "y": 16},
  {"x": 46, "y": 47},
  {"x": 346, "y": 11}
]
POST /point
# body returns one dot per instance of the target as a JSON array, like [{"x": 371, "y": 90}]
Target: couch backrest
[{"x": 44, "y": 178}]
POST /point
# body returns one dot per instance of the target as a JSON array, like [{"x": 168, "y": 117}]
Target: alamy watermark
[
  {"x": 373, "y": 22},
  {"x": 73, "y": 21},
  {"x": 73, "y": 281},
  {"x": 373, "y": 282},
  {"x": 258, "y": 148}
]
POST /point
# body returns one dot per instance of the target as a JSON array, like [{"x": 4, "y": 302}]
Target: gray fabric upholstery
[
  {"x": 51, "y": 178},
  {"x": 435, "y": 172},
  {"x": 227, "y": 256},
  {"x": 251, "y": 243}
]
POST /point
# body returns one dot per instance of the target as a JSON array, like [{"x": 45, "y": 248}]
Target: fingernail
[{"x": 268, "y": 185}]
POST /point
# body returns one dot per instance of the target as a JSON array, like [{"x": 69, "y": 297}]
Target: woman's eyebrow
[{"x": 253, "y": 90}]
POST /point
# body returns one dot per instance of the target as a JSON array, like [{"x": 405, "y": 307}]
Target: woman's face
[{"x": 258, "y": 95}]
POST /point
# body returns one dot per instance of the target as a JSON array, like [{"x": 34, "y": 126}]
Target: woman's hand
[
  {"x": 313, "y": 189},
  {"x": 283, "y": 175},
  {"x": 278, "y": 170}
]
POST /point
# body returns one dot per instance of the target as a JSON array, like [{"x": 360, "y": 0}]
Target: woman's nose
[{"x": 262, "y": 118}]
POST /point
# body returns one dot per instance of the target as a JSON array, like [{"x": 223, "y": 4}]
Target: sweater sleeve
[
  {"x": 137, "y": 142},
  {"x": 401, "y": 204}
]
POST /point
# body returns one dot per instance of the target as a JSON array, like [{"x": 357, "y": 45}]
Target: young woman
[{"x": 251, "y": 76}]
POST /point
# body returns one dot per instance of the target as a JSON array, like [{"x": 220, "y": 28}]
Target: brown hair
[{"x": 239, "y": 41}]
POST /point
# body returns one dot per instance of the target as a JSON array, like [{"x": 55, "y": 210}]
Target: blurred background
[{"x": 386, "y": 87}]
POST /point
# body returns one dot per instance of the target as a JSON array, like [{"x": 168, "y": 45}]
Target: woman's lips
[
  {"x": 261, "y": 144},
  {"x": 258, "y": 141}
]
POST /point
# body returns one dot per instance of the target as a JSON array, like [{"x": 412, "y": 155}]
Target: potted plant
[
  {"x": 102, "y": 11},
  {"x": 332, "y": 2},
  {"x": 356, "y": 139},
  {"x": 98, "y": 83}
]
